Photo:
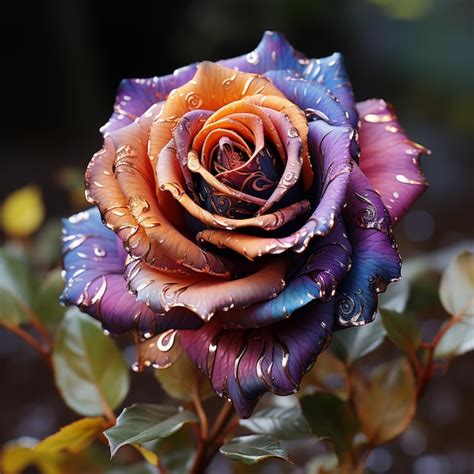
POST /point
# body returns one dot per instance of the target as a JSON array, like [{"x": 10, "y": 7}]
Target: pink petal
[{"x": 389, "y": 158}]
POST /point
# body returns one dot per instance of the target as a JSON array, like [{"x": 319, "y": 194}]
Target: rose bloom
[{"x": 243, "y": 212}]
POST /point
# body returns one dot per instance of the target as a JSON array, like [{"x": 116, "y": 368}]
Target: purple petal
[
  {"x": 375, "y": 259},
  {"x": 327, "y": 262},
  {"x": 331, "y": 74},
  {"x": 243, "y": 364},
  {"x": 273, "y": 52},
  {"x": 313, "y": 98},
  {"x": 93, "y": 260},
  {"x": 135, "y": 96},
  {"x": 330, "y": 149}
]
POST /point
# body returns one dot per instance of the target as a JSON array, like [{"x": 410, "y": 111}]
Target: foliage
[
  {"x": 89, "y": 370},
  {"x": 350, "y": 402}
]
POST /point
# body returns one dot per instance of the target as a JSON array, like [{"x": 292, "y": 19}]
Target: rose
[{"x": 241, "y": 220}]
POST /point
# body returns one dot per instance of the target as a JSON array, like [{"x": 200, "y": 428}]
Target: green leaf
[
  {"x": 456, "y": 289},
  {"x": 396, "y": 296},
  {"x": 353, "y": 343},
  {"x": 137, "y": 468},
  {"x": 253, "y": 448},
  {"x": 141, "y": 423},
  {"x": 46, "y": 250},
  {"x": 401, "y": 330},
  {"x": 330, "y": 417},
  {"x": 386, "y": 403},
  {"x": 176, "y": 452},
  {"x": 457, "y": 340},
  {"x": 282, "y": 423},
  {"x": 12, "y": 312},
  {"x": 72, "y": 438},
  {"x": 17, "y": 287},
  {"x": 181, "y": 380},
  {"x": 46, "y": 304},
  {"x": 89, "y": 369}
]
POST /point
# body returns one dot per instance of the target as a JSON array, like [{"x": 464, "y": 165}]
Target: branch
[
  {"x": 45, "y": 352},
  {"x": 427, "y": 370},
  {"x": 201, "y": 413},
  {"x": 208, "y": 446}
]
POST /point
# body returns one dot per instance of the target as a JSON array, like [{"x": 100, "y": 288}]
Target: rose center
[{"x": 228, "y": 156}]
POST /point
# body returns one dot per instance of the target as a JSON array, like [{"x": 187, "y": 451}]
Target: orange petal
[
  {"x": 212, "y": 87},
  {"x": 204, "y": 294},
  {"x": 121, "y": 182},
  {"x": 250, "y": 246},
  {"x": 234, "y": 111}
]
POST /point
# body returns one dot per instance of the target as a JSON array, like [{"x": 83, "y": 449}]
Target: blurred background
[{"x": 63, "y": 59}]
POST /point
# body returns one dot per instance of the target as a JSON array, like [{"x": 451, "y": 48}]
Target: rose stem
[
  {"x": 33, "y": 342},
  {"x": 208, "y": 446},
  {"x": 200, "y": 412}
]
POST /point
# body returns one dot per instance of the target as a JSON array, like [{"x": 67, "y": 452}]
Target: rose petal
[
  {"x": 375, "y": 259},
  {"x": 389, "y": 158},
  {"x": 135, "y": 96},
  {"x": 220, "y": 118},
  {"x": 331, "y": 74},
  {"x": 243, "y": 364},
  {"x": 120, "y": 180},
  {"x": 203, "y": 294},
  {"x": 273, "y": 52},
  {"x": 330, "y": 147},
  {"x": 327, "y": 263},
  {"x": 189, "y": 125},
  {"x": 298, "y": 132},
  {"x": 159, "y": 352},
  {"x": 313, "y": 98},
  {"x": 170, "y": 179},
  {"x": 212, "y": 87},
  {"x": 280, "y": 131},
  {"x": 93, "y": 261}
]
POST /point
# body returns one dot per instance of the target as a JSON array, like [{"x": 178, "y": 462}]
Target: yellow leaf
[
  {"x": 149, "y": 456},
  {"x": 386, "y": 403},
  {"x": 23, "y": 211},
  {"x": 73, "y": 438},
  {"x": 16, "y": 457}
]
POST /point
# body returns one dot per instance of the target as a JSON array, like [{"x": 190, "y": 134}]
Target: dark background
[{"x": 62, "y": 61}]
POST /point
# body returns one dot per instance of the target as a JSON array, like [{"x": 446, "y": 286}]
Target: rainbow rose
[{"x": 244, "y": 211}]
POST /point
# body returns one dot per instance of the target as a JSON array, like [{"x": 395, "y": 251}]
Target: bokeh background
[{"x": 63, "y": 59}]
